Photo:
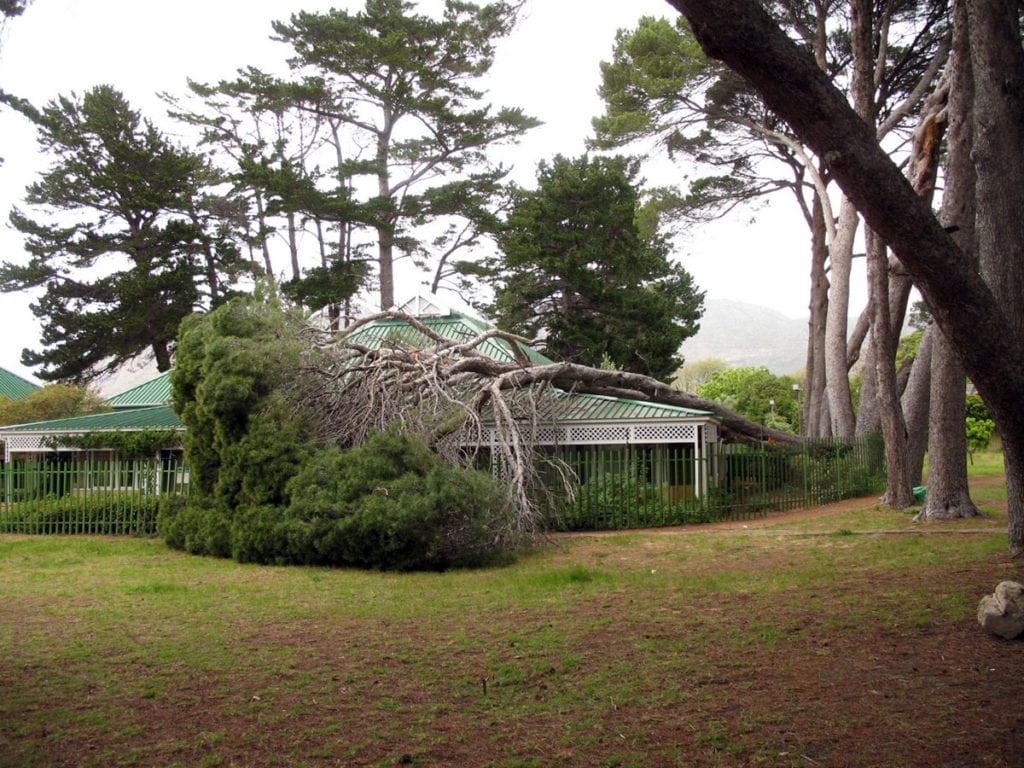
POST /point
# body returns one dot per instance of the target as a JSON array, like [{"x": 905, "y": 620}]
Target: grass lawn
[{"x": 847, "y": 639}]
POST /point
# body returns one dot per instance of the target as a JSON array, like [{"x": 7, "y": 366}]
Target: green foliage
[
  {"x": 99, "y": 512},
  {"x": 117, "y": 193},
  {"x": 390, "y": 504},
  {"x": 194, "y": 525},
  {"x": 693, "y": 374},
  {"x": 320, "y": 287},
  {"x": 661, "y": 85},
  {"x": 980, "y": 425},
  {"x": 906, "y": 349},
  {"x": 54, "y": 401},
  {"x": 127, "y": 445},
  {"x": 578, "y": 270},
  {"x": 751, "y": 392},
  {"x": 394, "y": 504},
  {"x": 264, "y": 490},
  {"x": 403, "y": 83},
  {"x": 235, "y": 371},
  {"x": 619, "y": 500}
]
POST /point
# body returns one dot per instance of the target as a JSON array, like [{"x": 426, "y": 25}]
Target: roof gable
[
  {"x": 453, "y": 326},
  {"x": 14, "y": 386},
  {"x": 155, "y": 391}
]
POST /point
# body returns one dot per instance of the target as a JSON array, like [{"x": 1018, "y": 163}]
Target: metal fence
[
  {"x": 646, "y": 486},
  {"x": 70, "y": 494},
  {"x": 617, "y": 487}
]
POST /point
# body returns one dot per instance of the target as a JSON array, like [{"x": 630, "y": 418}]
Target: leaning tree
[{"x": 981, "y": 313}]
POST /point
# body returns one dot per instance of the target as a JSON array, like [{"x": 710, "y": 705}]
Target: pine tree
[
  {"x": 579, "y": 270},
  {"x": 120, "y": 247}
]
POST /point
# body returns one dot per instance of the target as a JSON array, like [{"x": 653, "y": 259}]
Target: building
[{"x": 662, "y": 454}]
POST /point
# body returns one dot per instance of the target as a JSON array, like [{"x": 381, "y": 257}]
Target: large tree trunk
[
  {"x": 916, "y": 401},
  {"x": 988, "y": 339},
  {"x": 815, "y": 420},
  {"x": 997, "y": 61},
  {"x": 949, "y": 495},
  {"x": 840, "y": 403},
  {"x": 898, "y": 488},
  {"x": 841, "y": 248}
]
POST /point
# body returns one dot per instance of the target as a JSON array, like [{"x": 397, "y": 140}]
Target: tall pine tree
[
  {"x": 402, "y": 85},
  {"x": 119, "y": 247},
  {"x": 580, "y": 270}
]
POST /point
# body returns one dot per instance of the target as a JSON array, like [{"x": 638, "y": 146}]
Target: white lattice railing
[{"x": 618, "y": 434}]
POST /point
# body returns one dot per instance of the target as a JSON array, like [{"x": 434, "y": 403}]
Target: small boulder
[{"x": 1002, "y": 613}]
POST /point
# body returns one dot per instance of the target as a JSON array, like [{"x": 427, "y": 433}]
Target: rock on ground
[{"x": 1002, "y": 613}]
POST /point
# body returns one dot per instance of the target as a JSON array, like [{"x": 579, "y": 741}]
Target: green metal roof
[
  {"x": 153, "y": 417},
  {"x": 454, "y": 326},
  {"x": 15, "y": 387},
  {"x": 156, "y": 391},
  {"x": 582, "y": 407},
  {"x": 563, "y": 407}
]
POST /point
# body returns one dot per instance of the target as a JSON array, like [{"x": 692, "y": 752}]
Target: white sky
[{"x": 549, "y": 67}]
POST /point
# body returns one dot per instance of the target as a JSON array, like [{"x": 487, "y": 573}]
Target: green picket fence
[
  {"x": 67, "y": 495},
  {"x": 647, "y": 486},
  {"x": 619, "y": 487}
]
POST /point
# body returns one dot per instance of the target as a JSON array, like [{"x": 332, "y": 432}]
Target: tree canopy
[
  {"x": 119, "y": 244},
  {"x": 398, "y": 87},
  {"x": 580, "y": 270},
  {"x": 756, "y": 393}
]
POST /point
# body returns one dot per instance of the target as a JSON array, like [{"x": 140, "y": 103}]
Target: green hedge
[{"x": 97, "y": 512}]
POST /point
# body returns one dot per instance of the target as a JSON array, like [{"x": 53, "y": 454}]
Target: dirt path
[{"x": 794, "y": 515}]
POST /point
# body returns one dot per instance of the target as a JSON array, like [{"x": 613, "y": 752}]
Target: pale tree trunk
[
  {"x": 293, "y": 246},
  {"x": 386, "y": 229},
  {"x": 948, "y": 493},
  {"x": 922, "y": 171},
  {"x": 261, "y": 221},
  {"x": 916, "y": 400},
  {"x": 898, "y": 488},
  {"x": 815, "y": 419},
  {"x": 841, "y": 248},
  {"x": 840, "y": 404}
]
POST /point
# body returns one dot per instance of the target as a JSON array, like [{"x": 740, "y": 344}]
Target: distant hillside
[{"x": 746, "y": 335}]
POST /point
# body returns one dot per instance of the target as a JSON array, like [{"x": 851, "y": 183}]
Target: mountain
[{"x": 749, "y": 335}]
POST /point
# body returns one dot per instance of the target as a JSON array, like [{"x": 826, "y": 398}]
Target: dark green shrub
[
  {"x": 197, "y": 526},
  {"x": 393, "y": 504}
]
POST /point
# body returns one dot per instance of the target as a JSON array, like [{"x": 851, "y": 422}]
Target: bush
[
  {"x": 615, "y": 500},
  {"x": 390, "y": 504},
  {"x": 196, "y": 526},
  {"x": 395, "y": 505}
]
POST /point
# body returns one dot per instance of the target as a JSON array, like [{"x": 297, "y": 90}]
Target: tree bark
[
  {"x": 916, "y": 401},
  {"x": 815, "y": 419},
  {"x": 989, "y": 343},
  {"x": 898, "y": 493},
  {"x": 840, "y": 403},
  {"x": 949, "y": 495}
]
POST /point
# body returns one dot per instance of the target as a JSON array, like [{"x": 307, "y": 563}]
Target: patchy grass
[{"x": 800, "y": 641}]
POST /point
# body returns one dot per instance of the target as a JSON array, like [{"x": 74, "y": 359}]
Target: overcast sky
[{"x": 549, "y": 67}]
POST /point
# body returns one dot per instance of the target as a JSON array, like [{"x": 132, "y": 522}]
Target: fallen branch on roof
[{"x": 450, "y": 392}]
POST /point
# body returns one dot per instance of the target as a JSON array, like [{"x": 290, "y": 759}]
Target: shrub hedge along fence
[{"x": 618, "y": 488}]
